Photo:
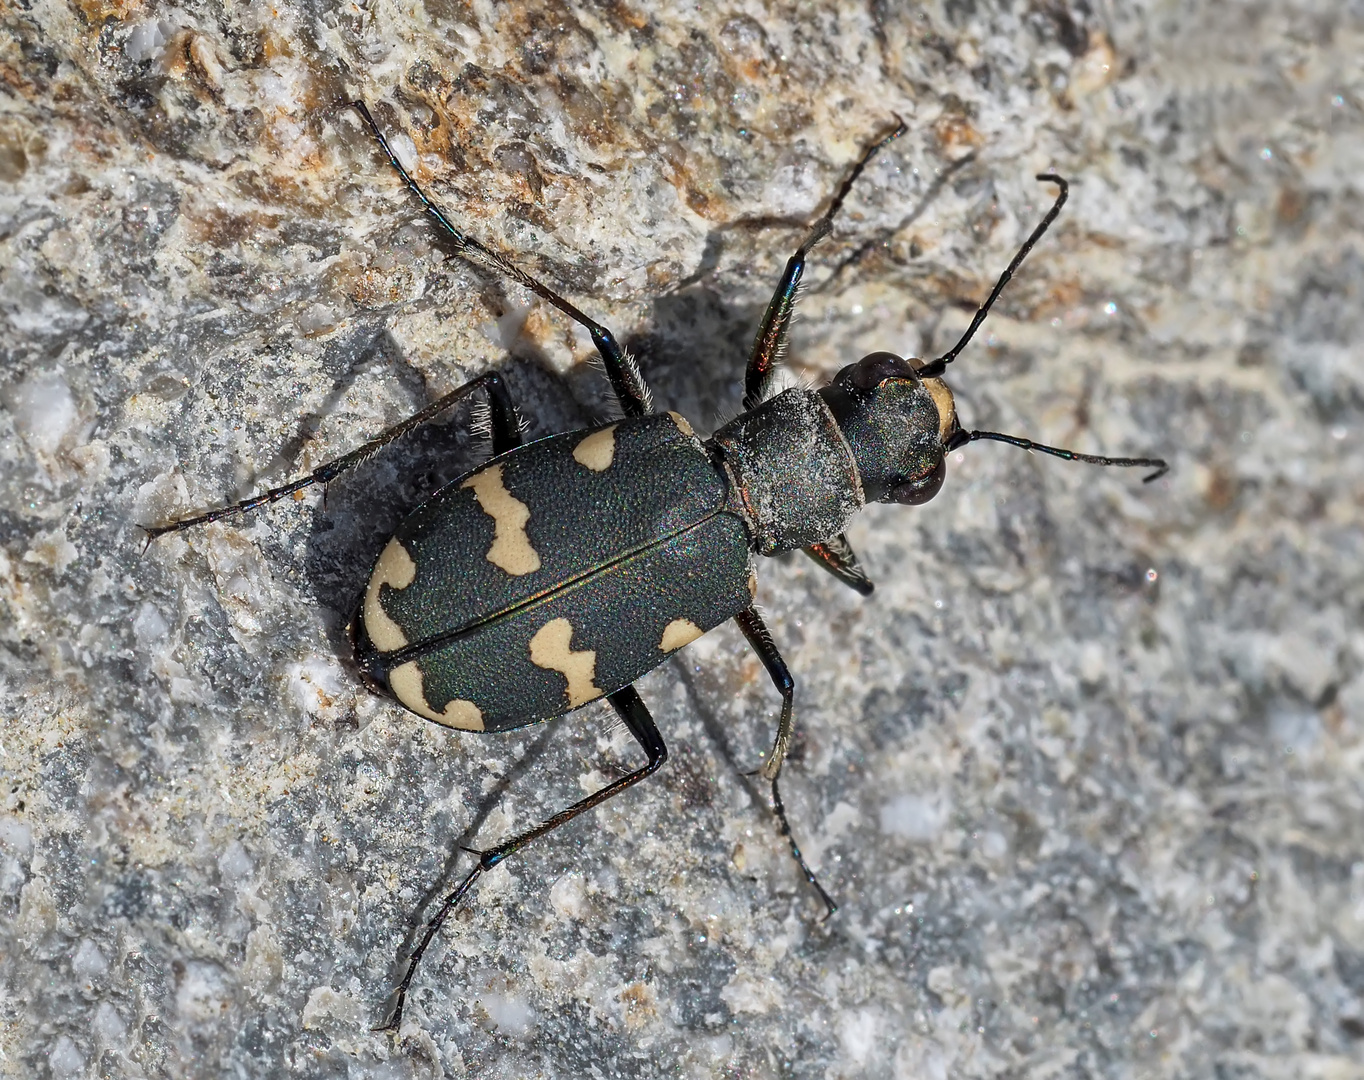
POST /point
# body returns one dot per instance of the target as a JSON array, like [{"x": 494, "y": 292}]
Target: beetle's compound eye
[
  {"x": 920, "y": 490},
  {"x": 874, "y": 369}
]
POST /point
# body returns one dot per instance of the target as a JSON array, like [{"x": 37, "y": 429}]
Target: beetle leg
[
  {"x": 756, "y": 631},
  {"x": 761, "y": 639},
  {"x": 771, "y": 339},
  {"x": 837, "y": 557},
  {"x": 636, "y": 716},
  {"x": 621, "y": 369},
  {"x": 506, "y": 434}
]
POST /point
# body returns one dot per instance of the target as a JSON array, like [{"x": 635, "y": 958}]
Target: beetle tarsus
[
  {"x": 785, "y": 826},
  {"x": 500, "y": 401},
  {"x": 432, "y": 928},
  {"x": 624, "y": 376},
  {"x": 636, "y": 716}
]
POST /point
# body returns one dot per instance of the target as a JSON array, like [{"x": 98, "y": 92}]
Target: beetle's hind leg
[
  {"x": 633, "y": 711},
  {"x": 756, "y": 631},
  {"x": 504, "y": 426}
]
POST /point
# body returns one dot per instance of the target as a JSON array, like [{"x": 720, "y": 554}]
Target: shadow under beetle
[{"x": 574, "y": 565}]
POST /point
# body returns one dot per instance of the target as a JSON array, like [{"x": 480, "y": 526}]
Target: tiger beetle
[{"x": 572, "y": 566}]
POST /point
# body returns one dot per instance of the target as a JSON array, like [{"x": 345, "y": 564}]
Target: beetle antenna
[
  {"x": 961, "y": 438},
  {"x": 938, "y": 366}
]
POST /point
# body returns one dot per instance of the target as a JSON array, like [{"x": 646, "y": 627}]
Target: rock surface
[{"x": 1084, "y": 772}]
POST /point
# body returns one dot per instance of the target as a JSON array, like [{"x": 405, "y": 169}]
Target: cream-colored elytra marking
[
  {"x": 549, "y": 649},
  {"x": 511, "y": 550},
  {"x": 682, "y": 425},
  {"x": 395, "y": 569},
  {"x": 598, "y": 450},
  {"x": 947, "y": 406},
  {"x": 679, "y": 632},
  {"x": 406, "y": 683}
]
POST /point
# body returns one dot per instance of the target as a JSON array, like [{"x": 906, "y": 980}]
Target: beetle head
[{"x": 897, "y": 425}]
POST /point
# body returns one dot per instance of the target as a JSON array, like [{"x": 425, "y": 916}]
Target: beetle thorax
[{"x": 791, "y": 471}]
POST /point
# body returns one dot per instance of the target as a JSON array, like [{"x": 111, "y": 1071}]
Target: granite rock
[{"x": 1084, "y": 773}]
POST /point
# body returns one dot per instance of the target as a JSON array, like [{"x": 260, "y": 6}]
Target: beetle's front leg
[
  {"x": 756, "y": 631},
  {"x": 771, "y": 339},
  {"x": 837, "y": 557}
]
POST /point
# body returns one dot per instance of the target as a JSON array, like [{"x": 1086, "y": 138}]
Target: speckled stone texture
[{"x": 1084, "y": 773}]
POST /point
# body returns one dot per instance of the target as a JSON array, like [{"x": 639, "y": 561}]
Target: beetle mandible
[{"x": 509, "y": 568}]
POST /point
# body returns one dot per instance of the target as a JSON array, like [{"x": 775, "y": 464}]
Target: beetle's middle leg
[
  {"x": 506, "y": 434},
  {"x": 756, "y": 631},
  {"x": 621, "y": 369},
  {"x": 633, "y": 711}
]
